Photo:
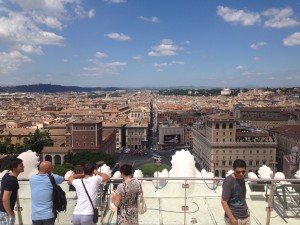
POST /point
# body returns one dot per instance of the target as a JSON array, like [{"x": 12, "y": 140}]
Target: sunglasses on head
[{"x": 240, "y": 171}]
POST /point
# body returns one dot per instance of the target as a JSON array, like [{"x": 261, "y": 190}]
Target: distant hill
[{"x": 49, "y": 88}]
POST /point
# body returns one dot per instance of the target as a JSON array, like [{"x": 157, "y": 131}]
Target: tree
[
  {"x": 38, "y": 141},
  {"x": 63, "y": 169},
  {"x": 8, "y": 147},
  {"x": 82, "y": 158}
]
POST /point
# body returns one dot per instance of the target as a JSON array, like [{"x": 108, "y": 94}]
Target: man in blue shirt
[{"x": 41, "y": 195}]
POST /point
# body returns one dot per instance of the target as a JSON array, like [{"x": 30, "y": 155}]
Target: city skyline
[{"x": 150, "y": 43}]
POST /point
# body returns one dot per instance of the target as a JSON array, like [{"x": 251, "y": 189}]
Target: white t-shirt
[{"x": 83, "y": 206}]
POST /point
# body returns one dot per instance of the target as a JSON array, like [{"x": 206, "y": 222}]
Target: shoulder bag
[
  {"x": 112, "y": 206},
  {"x": 142, "y": 207},
  {"x": 96, "y": 212}
]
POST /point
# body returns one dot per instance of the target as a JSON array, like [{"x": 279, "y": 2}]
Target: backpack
[{"x": 58, "y": 197}]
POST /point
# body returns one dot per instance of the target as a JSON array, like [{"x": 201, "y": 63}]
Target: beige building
[
  {"x": 136, "y": 135},
  {"x": 265, "y": 117},
  {"x": 220, "y": 142}
]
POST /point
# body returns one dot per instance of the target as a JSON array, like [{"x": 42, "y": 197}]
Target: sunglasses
[{"x": 240, "y": 171}]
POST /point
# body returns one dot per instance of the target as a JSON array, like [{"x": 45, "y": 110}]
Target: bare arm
[
  {"x": 228, "y": 212},
  {"x": 117, "y": 199},
  {"x": 6, "y": 203},
  {"x": 104, "y": 176},
  {"x": 75, "y": 176}
]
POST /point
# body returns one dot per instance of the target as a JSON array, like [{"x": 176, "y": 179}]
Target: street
[{"x": 137, "y": 161}]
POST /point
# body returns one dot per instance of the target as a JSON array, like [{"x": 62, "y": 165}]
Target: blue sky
[{"x": 158, "y": 43}]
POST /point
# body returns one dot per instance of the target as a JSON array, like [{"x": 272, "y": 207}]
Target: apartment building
[
  {"x": 84, "y": 135},
  {"x": 287, "y": 137},
  {"x": 136, "y": 135},
  {"x": 265, "y": 117},
  {"x": 220, "y": 142},
  {"x": 119, "y": 129}
]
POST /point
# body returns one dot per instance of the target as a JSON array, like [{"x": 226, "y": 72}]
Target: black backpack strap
[
  {"x": 51, "y": 177},
  {"x": 87, "y": 194}
]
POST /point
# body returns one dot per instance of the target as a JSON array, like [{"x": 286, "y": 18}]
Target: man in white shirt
[{"x": 83, "y": 212}]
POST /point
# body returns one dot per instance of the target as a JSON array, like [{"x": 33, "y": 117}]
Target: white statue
[
  {"x": 105, "y": 169},
  {"x": 30, "y": 162},
  {"x": 265, "y": 172},
  {"x": 68, "y": 174},
  {"x": 138, "y": 174},
  {"x": 252, "y": 175}
]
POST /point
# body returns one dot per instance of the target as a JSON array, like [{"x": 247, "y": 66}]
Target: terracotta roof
[
  {"x": 292, "y": 131},
  {"x": 56, "y": 150}
]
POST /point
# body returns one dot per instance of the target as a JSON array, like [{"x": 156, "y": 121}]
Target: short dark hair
[
  {"x": 126, "y": 169},
  {"x": 14, "y": 163},
  {"x": 89, "y": 168},
  {"x": 239, "y": 163}
]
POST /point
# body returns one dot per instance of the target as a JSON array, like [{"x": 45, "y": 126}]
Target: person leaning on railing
[
  {"x": 234, "y": 196},
  {"x": 83, "y": 212}
]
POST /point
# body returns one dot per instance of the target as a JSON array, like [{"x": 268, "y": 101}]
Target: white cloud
[
  {"x": 238, "y": 16},
  {"x": 137, "y": 58},
  {"x": 82, "y": 13},
  {"x": 280, "y": 18},
  {"x": 18, "y": 30},
  {"x": 118, "y": 36},
  {"x": 65, "y": 60},
  {"x": 32, "y": 50},
  {"x": 159, "y": 67},
  {"x": 293, "y": 39},
  {"x": 116, "y": 64},
  {"x": 188, "y": 42},
  {"x": 255, "y": 58},
  {"x": 51, "y": 22},
  {"x": 258, "y": 44},
  {"x": 115, "y": 1},
  {"x": 239, "y": 67},
  {"x": 152, "y": 19},
  {"x": 177, "y": 63},
  {"x": 165, "y": 48},
  {"x": 91, "y": 13},
  {"x": 248, "y": 73},
  {"x": 10, "y": 62},
  {"x": 53, "y": 7},
  {"x": 100, "y": 55},
  {"x": 103, "y": 69}
]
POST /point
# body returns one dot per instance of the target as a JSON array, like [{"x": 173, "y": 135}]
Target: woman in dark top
[{"x": 126, "y": 198}]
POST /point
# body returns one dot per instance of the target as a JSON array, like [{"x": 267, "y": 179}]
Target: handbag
[
  {"x": 96, "y": 212},
  {"x": 112, "y": 206},
  {"x": 142, "y": 207}
]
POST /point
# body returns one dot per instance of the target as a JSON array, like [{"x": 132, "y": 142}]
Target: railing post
[
  {"x": 19, "y": 209},
  {"x": 270, "y": 202}
]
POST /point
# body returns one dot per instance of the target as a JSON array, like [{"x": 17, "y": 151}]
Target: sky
[{"x": 150, "y": 43}]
